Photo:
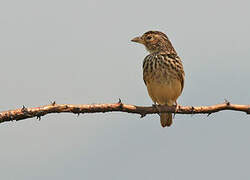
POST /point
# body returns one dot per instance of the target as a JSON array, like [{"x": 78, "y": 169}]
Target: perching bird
[{"x": 163, "y": 71}]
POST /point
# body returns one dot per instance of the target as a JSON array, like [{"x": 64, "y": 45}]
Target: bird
[{"x": 163, "y": 72}]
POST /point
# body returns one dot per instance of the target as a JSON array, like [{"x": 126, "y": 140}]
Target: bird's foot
[
  {"x": 177, "y": 106},
  {"x": 157, "y": 107},
  {"x": 154, "y": 105}
]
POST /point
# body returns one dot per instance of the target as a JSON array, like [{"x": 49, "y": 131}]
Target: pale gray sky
[{"x": 80, "y": 52}]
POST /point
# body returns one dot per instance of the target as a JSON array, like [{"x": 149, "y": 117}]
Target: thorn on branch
[
  {"x": 120, "y": 103},
  {"x": 39, "y": 115},
  {"x": 24, "y": 109},
  {"x": 53, "y": 103},
  {"x": 208, "y": 114},
  {"x": 227, "y": 102},
  {"x": 11, "y": 117},
  {"x": 192, "y": 111},
  {"x": 192, "y": 108},
  {"x": 143, "y": 115},
  {"x": 76, "y": 110}
]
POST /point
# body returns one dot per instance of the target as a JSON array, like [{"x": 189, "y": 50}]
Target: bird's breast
[{"x": 161, "y": 79}]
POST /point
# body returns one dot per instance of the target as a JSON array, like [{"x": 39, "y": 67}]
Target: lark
[{"x": 163, "y": 71}]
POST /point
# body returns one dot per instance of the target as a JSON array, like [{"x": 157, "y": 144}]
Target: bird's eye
[{"x": 149, "y": 38}]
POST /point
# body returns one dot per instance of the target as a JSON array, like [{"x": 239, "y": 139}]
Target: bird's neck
[{"x": 163, "y": 48}]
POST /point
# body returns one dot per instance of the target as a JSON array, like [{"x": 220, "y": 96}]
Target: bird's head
[{"x": 155, "y": 41}]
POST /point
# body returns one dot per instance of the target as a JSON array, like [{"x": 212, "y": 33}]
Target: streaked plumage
[{"x": 163, "y": 71}]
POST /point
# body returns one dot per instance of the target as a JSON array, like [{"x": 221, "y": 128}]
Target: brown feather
[{"x": 163, "y": 71}]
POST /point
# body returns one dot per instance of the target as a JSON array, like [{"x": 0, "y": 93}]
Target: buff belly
[{"x": 164, "y": 92}]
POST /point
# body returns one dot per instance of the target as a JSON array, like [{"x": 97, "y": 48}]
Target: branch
[{"x": 25, "y": 113}]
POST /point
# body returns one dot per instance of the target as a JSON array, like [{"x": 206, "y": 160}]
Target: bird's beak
[{"x": 137, "y": 40}]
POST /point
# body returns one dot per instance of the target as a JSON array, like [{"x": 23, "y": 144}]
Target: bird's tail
[{"x": 166, "y": 119}]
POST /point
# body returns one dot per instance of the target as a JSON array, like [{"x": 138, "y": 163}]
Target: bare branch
[{"x": 25, "y": 113}]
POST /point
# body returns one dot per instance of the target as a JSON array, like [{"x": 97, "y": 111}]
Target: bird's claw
[
  {"x": 157, "y": 107},
  {"x": 177, "y": 106}
]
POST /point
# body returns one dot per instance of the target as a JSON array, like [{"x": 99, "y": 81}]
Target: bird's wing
[
  {"x": 180, "y": 71},
  {"x": 147, "y": 65}
]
